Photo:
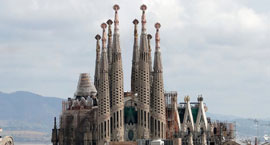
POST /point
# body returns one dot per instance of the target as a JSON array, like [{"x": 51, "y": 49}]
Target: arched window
[
  {"x": 202, "y": 131},
  {"x": 188, "y": 129},
  {"x": 215, "y": 130}
]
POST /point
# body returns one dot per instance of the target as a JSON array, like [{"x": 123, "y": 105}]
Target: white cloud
[{"x": 217, "y": 48}]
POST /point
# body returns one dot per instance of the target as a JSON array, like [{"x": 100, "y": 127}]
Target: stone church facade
[{"x": 101, "y": 112}]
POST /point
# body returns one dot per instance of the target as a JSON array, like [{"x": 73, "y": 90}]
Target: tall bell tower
[
  {"x": 144, "y": 83},
  {"x": 117, "y": 88}
]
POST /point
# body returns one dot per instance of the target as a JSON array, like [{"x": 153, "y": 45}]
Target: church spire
[
  {"x": 117, "y": 88},
  {"x": 104, "y": 49},
  {"x": 144, "y": 83},
  {"x": 104, "y": 94},
  {"x": 135, "y": 59},
  {"x": 144, "y": 41},
  {"x": 97, "y": 69},
  {"x": 116, "y": 41},
  {"x": 157, "y": 62},
  {"x": 158, "y": 102},
  {"x": 109, "y": 53},
  {"x": 116, "y": 18},
  {"x": 143, "y": 8},
  {"x": 149, "y": 37},
  {"x": 109, "y": 45}
]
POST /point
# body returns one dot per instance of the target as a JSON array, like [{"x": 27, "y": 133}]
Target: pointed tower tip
[
  {"x": 200, "y": 98},
  {"x": 135, "y": 22},
  {"x": 157, "y": 26},
  {"x": 149, "y": 36},
  {"x": 116, "y": 7},
  {"x": 116, "y": 19},
  {"x": 143, "y": 7},
  {"x": 97, "y": 37},
  {"x": 187, "y": 99},
  {"x": 103, "y": 26},
  {"x": 109, "y": 22}
]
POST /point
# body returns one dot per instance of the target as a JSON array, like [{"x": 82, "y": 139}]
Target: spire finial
[
  {"x": 157, "y": 26},
  {"x": 98, "y": 46},
  {"x": 200, "y": 98},
  {"x": 116, "y": 19},
  {"x": 143, "y": 8},
  {"x": 187, "y": 99},
  {"x": 97, "y": 37},
  {"x": 135, "y": 22},
  {"x": 110, "y": 22},
  {"x": 149, "y": 36},
  {"x": 103, "y": 26}
]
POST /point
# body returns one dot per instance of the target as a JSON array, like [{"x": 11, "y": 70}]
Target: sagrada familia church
[{"x": 103, "y": 113}]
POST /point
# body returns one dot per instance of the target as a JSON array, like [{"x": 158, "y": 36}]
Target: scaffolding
[{"x": 172, "y": 116}]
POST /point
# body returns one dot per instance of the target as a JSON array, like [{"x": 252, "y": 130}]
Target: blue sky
[{"x": 216, "y": 48}]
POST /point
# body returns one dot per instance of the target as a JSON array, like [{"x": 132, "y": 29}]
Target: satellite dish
[{"x": 266, "y": 138}]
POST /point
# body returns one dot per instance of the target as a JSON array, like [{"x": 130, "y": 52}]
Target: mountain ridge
[{"x": 22, "y": 109}]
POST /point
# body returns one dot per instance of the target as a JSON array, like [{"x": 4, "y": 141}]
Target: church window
[
  {"x": 120, "y": 117},
  {"x": 201, "y": 120},
  {"x": 155, "y": 127},
  {"x": 215, "y": 130},
  {"x": 117, "y": 122},
  {"x": 108, "y": 124},
  {"x": 114, "y": 120},
  {"x": 202, "y": 131},
  {"x": 141, "y": 118},
  {"x": 161, "y": 129},
  {"x": 148, "y": 120},
  {"x": 158, "y": 128},
  {"x": 105, "y": 128},
  {"x": 101, "y": 130},
  {"x": 188, "y": 119},
  {"x": 144, "y": 119},
  {"x": 111, "y": 123}
]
